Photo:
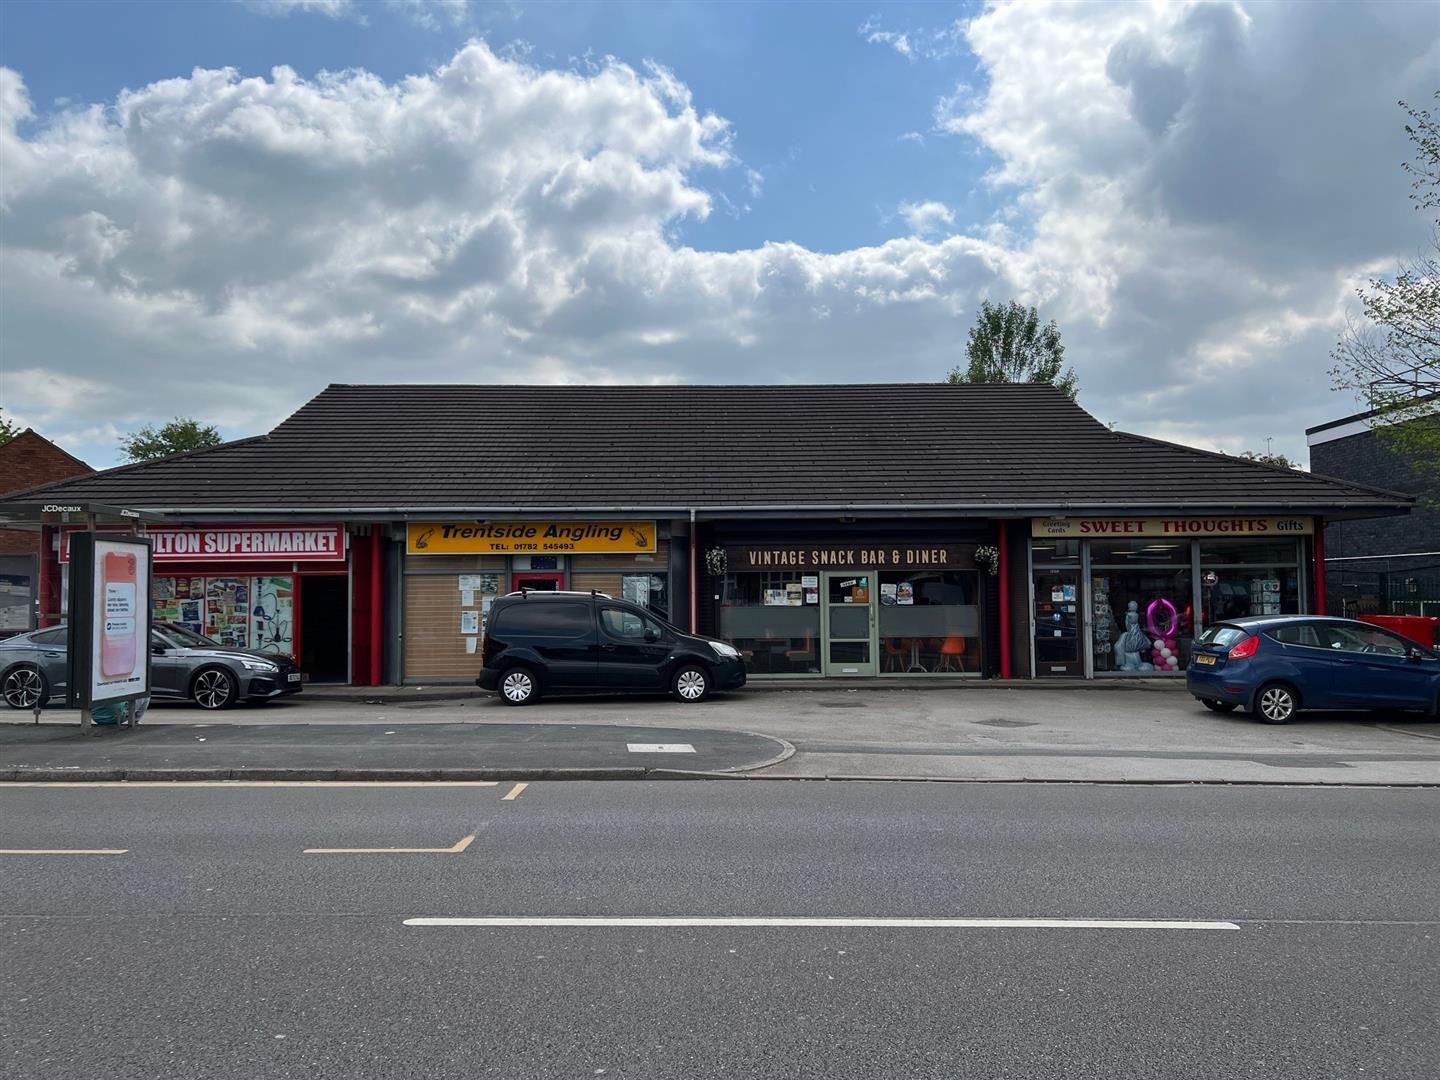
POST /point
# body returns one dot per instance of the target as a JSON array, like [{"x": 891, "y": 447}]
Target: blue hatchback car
[{"x": 1273, "y": 666}]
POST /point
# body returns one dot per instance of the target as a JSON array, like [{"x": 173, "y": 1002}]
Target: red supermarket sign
[{"x": 239, "y": 543}]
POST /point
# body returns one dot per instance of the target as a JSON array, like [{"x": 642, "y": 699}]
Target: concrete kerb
[
  {"x": 22, "y": 777},
  {"x": 399, "y": 695}
]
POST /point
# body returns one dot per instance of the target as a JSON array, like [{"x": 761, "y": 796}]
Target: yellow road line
[
  {"x": 25, "y": 784},
  {"x": 64, "y": 851},
  {"x": 456, "y": 850},
  {"x": 514, "y": 793}
]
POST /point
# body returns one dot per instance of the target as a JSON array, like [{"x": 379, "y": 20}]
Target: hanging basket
[
  {"x": 716, "y": 562},
  {"x": 988, "y": 559}
]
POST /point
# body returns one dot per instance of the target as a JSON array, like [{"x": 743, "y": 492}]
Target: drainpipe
[
  {"x": 1319, "y": 604},
  {"x": 377, "y": 615},
  {"x": 694, "y": 577},
  {"x": 46, "y": 585},
  {"x": 1004, "y": 600}
]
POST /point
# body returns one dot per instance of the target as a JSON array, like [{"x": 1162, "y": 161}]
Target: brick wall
[
  {"x": 1350, "y": 579},
  {"x": 27, "y": 461}
]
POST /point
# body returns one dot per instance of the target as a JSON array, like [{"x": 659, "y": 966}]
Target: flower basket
[
  {"x": 716, "y": 562},
  {"x": 987, "y": 558}
]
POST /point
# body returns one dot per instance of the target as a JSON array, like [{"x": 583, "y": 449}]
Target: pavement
[
  {"x": 1003, "y": 733},
  {"x": 252, "y": 930}
]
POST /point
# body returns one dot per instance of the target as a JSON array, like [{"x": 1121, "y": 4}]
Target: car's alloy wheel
[
  {"x": 214, "y": 689},
  {"x": 518, "y": 686},
  {"x": 691, "y": 684},
  {"x": 24, "y": 687},
  {"x": 1276, "y": 704}
]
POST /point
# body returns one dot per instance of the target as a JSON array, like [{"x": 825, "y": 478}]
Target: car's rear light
[{"x": 1245, "y": 648}]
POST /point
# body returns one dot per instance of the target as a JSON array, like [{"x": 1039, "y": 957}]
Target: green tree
[
  {"x": 1008, "y": 345},
  {"x": 1270, "y": 459},
  {"x": 181, "y": 434},
  {"x": 1390, "y": 356},
  {"x": 8, "y": 428}
]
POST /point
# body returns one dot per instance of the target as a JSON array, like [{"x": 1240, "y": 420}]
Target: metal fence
[{"x": 1415, "y": 591}]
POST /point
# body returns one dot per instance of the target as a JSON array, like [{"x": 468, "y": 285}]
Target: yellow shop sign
[
  {"x": 529, "y": 537},
  {"x": 1123, "y": 528}
]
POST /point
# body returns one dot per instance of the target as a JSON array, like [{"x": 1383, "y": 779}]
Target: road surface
[{"x": 256, "y": 931}]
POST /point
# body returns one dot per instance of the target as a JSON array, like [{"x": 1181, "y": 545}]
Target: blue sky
[
  {"x": 817, "y": 109},
  {"x": 694, "y": 192}
]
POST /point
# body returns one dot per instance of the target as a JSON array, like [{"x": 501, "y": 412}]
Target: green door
[{"x": 848, "y": 623}]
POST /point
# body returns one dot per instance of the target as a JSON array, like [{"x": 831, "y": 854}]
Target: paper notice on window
[
  {"x": 467, "y": 597},
  {"x": 471, "y": 582},
  {"x": 1057, "y": 595},
  {"x": 469, "y": 622},
  {"x": 810, "y": 581},
  {"x": 470, "y": 645}
]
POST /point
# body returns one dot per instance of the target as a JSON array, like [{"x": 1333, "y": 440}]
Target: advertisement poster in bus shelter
[{"x": 109, "y": 637}]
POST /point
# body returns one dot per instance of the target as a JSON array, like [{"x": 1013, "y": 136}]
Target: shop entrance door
[
  {"x": 547, "y": 581},
  {"x": 1056, "y": 622},
  {"x": 324, "y": 627},
  {"x": 847, "y": 624}
]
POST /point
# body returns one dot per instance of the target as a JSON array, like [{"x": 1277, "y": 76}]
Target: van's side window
[
  {"x": 544, "y": 619},
  {"x": 626, "y": 625}
]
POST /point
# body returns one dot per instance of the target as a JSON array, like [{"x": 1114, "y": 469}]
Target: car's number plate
[
  {"x": 1204, "y": 658},
  {"x": 294, "y": 676}
]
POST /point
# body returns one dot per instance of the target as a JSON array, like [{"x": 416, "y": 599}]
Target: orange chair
[
  {"x": 897, "y": 654},
  {"x": 805, "y": 652},
  {"x": 952, "y": 654}
]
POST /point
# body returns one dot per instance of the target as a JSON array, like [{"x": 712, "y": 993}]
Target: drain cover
[{"x": 1007, "y": 723}]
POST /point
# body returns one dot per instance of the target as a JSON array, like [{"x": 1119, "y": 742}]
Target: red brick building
[{"x": 29, "y": 460}]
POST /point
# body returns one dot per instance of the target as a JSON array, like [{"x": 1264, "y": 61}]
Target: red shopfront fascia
[{"x": 256, "y": 553}]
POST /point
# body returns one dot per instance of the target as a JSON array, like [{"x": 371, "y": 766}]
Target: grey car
[{"x": 183, "y": 665}]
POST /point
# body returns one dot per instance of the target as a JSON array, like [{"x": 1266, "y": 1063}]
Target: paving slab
[{"x": 372, "y": 752}]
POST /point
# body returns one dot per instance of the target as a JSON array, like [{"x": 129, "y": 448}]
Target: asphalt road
[{"x": 216, "y": 946}]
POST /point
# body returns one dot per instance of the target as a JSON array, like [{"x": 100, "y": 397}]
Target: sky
[{"x": 214, "y": 209}]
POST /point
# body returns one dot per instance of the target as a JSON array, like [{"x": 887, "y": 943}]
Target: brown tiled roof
[{"x": 430, "y": 449}]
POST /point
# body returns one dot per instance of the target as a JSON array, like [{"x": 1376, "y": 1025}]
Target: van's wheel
[
  {"x": 215, "y": 688},
  {"x": 519, "y": 686},
  {"x": 24, "y": 685},
  {"x": 1276, "y": 703},
  {"x": 1219, "y": 706},
  {"x": 691, "y": 683}
]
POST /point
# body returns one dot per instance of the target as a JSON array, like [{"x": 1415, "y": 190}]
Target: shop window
[
  {"x": 773, "y": 618},
  {"x": 1139, "y": 552},
  {"x": 241, "y": 612},
  {"x": 1248, "y": 553},
  {"x": 1248, "y": 577},
  {"x": 929, "y": 621},
  {"x": 650, "y": 591},
  {"x": 1045, "y": 552},
  {"x": 1142, "y": 620},
  {"x": 1057, "y": 622}
]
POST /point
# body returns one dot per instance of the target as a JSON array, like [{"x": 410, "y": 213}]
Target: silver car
[{"x": 183, "y": 665}]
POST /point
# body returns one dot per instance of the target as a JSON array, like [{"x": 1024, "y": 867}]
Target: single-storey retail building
[{"x": 827, "y": 531}]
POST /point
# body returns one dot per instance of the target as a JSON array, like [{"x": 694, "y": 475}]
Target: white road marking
[
  {"x": 23, "y": 785},
  {"x": 63, "y": 851},
  {"x": 660, "y": 748},
  {"x": 453, "y": 850},
  {"x": 883, "y": 923},
  {"x": 514, "y": 793}
]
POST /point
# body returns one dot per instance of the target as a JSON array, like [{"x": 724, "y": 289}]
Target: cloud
[
  {"x": 1192, "y": 192},
  {"x": 900, "y": 42},
  {"x": 926, "y": 217},
  {"x": 430, "y": 14}
]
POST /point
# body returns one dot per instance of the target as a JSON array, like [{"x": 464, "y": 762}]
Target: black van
[{"x": 585, "y": 642}]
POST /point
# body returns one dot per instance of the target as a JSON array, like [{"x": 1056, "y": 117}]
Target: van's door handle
[{"x": 607, "y": 647}]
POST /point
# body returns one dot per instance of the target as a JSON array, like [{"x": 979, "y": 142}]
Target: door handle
[{"x": 607, "y": 648}]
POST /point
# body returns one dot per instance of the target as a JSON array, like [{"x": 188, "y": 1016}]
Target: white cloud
[
  {"x": 333, "y": 8},
  {"x": 1190, "y": 191},
  {"x": 431, "y": 14},
  {"x": 926, "y": 217},
  {"x": 871, "y": 32}
]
